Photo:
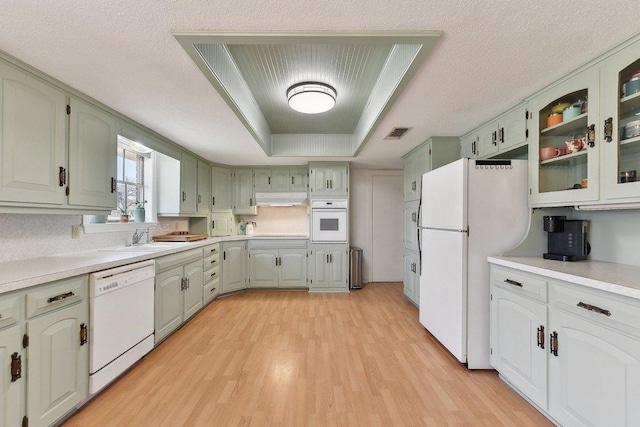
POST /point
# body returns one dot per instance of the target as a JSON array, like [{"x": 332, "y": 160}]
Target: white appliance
[
  {"x": 280, "y": 199},
  {"x": 329, "y": 221},
  {"x": 121, "y": 310},
  {"x": 470, "y": 209}
]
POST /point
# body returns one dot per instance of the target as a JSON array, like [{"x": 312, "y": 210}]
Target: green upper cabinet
[
  {"x": 188, "y": 183},
  {"x": 498, "y": 137},
  {"x": 431, "y": 154},
  {"x": 243, "y": 201},
  {"x": 280, "y": 180},
  {"x": 203, "y": 201},
  {"x": 592, "y": 158},
  {"x": 220, "y": 189},
  {"x": 33, "y": 148},
  {"x": 567, "y": 176},
  {"x": 620, "y": 112},
  {"x": 328, "y": 179},
  {"x": 92, "y": 156}
]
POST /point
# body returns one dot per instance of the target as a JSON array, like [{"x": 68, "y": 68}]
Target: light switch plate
[{"x": 75, "y": 231}]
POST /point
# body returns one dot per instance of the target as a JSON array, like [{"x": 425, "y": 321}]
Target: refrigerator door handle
[{"x": 445, "y": 229}]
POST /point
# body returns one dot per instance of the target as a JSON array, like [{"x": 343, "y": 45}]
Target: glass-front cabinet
[
  {"x": 564, "y": 165},
  {"x": 621, "y": 120}
]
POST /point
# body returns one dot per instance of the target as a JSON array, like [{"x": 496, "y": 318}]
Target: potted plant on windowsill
[
  {"x": 124, "y": 211},
  {"x": 139, "y": 211}
]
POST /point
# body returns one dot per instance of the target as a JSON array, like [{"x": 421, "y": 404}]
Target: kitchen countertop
[
  {"x": 620, "y": 279},
  {"x": 22, "y": 274}
]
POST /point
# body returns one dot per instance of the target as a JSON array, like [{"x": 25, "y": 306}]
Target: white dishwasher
[{"x": 121, "y": 310}]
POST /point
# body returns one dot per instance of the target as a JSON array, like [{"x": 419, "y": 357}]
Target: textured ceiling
[
  {"x": 491, "y": 55},
  {"x": 269, "y": 70}
]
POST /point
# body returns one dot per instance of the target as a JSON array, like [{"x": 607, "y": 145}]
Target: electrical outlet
[{"x": 75, "y": 231}]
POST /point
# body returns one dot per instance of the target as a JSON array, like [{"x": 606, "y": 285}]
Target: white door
[
  {"x": 386, "y": 240},
  {"x": 444, "y": 193},
  {"x": 443, "y": 294}
]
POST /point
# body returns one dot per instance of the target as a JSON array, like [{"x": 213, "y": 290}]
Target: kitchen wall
[
  {"x": 614, "y": 235},
  {"x": 280, "y": 220},
  {"x": 361, "y": 211}
]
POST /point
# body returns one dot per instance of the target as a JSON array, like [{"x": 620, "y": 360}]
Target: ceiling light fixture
[{"x": 311, "y": 97}]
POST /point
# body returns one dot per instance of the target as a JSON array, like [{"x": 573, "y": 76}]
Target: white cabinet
[
  {"x": 280, "y": 180},
  {"x": 411, "y": 284},
  {"x": 518, "y": 333},
  {"x": 328, "y": 179},
  {"x": 619, "y": 151},
  {"x": 203, "y": 200},
  {"x": 92, "y": 156},
  {"x": 581, "y": 364},
  {"x": 565, "y": 179},
  {"x": 33, "y": 148},
  {"x": 278, "y": 264},
  {"x": 328, "y": 268},
  {"x": 233, "y": 266},
  {"x": 220, "y": 189},
  {"x": 222, "y": 224},
  {"x": 179, "y": 294},
  {"x": 469, "y": 145},
  {"x": 415, "y": 163},
  {"x": 243, "y": 203}
]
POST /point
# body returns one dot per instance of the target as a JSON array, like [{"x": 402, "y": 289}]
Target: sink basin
[{"x": 148, "y": 248}]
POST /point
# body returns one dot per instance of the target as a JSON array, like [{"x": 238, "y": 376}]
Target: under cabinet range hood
[{"x": 280, "y": 199}]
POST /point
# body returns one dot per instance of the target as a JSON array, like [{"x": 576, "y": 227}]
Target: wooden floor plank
[{"x": 298, "y": 359}]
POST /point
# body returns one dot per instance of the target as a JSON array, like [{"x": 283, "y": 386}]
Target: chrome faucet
[{"x": 135, "y": 239}]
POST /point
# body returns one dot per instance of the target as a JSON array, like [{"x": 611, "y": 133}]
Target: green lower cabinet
[
  {"x": 278, "y": 268},
  {"x": 58, "y": 368},
  {"x": 328, "y": 267},
  {"x": 233, "y": 266},
  {"x": 179, "y": 290},
  {"x": 11, "y": 386}
]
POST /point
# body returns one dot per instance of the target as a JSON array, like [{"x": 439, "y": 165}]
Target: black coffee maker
[{"x": 566, "y": 238}]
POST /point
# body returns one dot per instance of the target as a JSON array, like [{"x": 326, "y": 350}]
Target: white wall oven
[{"x": 329, "y": 221}]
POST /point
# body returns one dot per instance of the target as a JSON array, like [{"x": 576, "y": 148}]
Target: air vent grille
[{"x": 397, "y": 133}]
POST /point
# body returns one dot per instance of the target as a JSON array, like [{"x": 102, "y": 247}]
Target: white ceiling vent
[{"x": 397, "y": 133}]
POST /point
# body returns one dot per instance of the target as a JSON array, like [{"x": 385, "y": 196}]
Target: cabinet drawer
[
  {"x": 519, "y": 282},
  {"x": 213, "y": 249},
  {"x": 57, "y": 295},
  {"x": 211, "y": 290},
  {"x": 9, "y": 310},
  {"x": 277, "y": 244},
  {"x": 211, "y": 261},
  {"x": 615, "y": 311},
  {"x": 169, "y": 261},
  {"x": 212, "y": 274}
]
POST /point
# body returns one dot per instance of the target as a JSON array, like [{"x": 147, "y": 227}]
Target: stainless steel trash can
[{"x": 355, "y": 268}]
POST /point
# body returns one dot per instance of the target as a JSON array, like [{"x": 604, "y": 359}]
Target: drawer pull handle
[
  {"x": 60, "y": 297},
  {"x": 541, "y": 337},
  {"x": 213, "y": 274},
  {"x": 594, "y": 308},
  {"x": 512, "y": 282},
  {"x": 212, "y": 290},
  {"x": 213, "y": 262}
]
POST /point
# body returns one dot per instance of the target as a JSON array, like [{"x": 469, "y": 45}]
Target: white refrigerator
[{"x": 469, "y": 210}]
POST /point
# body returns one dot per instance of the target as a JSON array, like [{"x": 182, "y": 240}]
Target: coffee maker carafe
[{"x": 566, "y": 238}]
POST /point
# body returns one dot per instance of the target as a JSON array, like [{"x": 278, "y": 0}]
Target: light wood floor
[{"x": 300, "y": 359}]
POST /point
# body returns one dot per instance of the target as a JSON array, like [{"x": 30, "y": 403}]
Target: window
[
  {"x": 133, "y": 180},
  {"x": 130, "y": 177}
]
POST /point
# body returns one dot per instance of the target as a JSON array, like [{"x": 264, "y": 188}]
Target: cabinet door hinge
[
  {"x": 25, "y": 341},
  {"x": 16, "y": 367},
  {"x": 84, "y": 334},
  {"x": 68, "y": 109},
  {"x": 25, "y": 421}
]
